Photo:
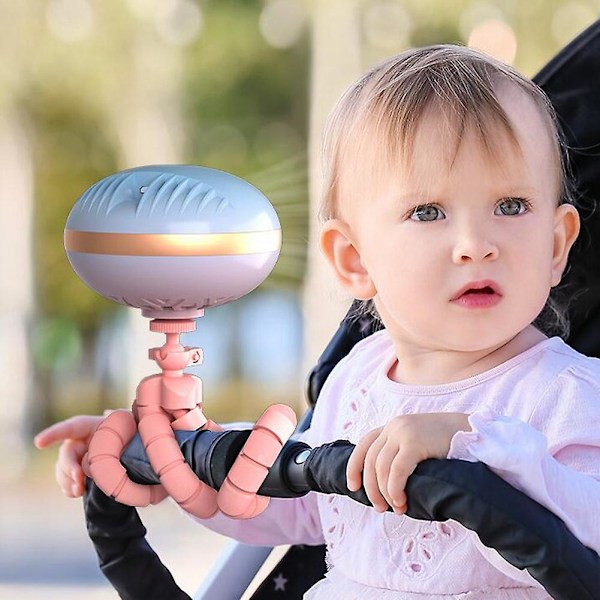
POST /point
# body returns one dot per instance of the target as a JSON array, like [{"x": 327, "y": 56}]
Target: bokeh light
[
  {"x": 70, "y": 20},
  {"x": 477, "y": 13},
  {"x": 178, "y": 22},
  {"x": 387, "y": 25},
  {"x": 495, "y": 37},
  {"x": 282, "y": 23}
]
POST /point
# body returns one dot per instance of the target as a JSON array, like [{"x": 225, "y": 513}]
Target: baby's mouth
[
  {"x": 481, "y": 289},
  {"x": 485, "y": 290}
]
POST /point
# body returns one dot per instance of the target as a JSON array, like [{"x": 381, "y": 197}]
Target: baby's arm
[
  {"x": 285, "y": 521},
  {"x": 555, "y": 459},
  {"x": 572, "y": 495},
  {"x": 75, "y": 434},
  {"x": 519, "y": 454}
]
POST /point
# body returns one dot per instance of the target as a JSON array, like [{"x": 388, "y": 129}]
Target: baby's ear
[
  {"x": 566, "y": 230},
  {"x": 343, "y": 255}
]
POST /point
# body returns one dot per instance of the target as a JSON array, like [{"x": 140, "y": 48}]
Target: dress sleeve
[
  {"x": 285, "y": 521},
  {"x": 554, "y": 458}
]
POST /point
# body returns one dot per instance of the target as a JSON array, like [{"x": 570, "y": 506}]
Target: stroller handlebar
[{"x": 521, "y": 530}]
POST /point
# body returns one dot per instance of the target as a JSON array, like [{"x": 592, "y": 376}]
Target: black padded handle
[{"x": 524, "y": 532}]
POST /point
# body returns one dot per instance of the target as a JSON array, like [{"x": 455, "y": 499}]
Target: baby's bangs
[
  {"x": 460, "y": 106},
  {"x": 373, "y": 127}
]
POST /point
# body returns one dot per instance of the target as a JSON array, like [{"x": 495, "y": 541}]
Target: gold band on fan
[{"x": 172, "y": 244}]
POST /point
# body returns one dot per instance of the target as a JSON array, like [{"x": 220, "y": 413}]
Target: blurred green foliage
[
  {"x": 56, "y": 345},
  {"x": 243, "y": 106},
  {"x": 70, "y": 67},
  {"x": 243, "y": 103},
  {"x": 70, "y": 153},
  {"x": 246, "y": 105},
  {"x": 542, "y": 27}
]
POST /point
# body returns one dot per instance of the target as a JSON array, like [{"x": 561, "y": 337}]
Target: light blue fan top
[{"x": 172, "y": 199}]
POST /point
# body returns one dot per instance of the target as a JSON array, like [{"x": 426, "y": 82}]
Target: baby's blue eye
[
  {"x": 513, "y": 206},
  {"x": 427, "y": 212}
]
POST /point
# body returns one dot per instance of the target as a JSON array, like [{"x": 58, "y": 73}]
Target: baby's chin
[
  {"x": 464, "y": 336},
  {"x": 496, "y": 347},
  {"x": 477, "y": 341}
]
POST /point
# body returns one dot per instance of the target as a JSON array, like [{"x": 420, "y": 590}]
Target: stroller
[{"x": 526, "y": 534}]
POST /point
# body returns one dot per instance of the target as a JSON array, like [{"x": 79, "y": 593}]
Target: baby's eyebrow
[
  {"x": 407, "y": 199},
  {"x": 523, "y": 191},
  {"x": 518, "y": 192},
  {"x": 510, "y": 191}
]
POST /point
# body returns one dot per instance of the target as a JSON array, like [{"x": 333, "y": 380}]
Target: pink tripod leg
[
  {"x": 237, "y": 497},
  {"x": 103, "y": 465},
  {"x": 176, "y": 476}
]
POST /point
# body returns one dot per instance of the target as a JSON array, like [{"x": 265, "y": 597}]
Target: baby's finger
[
  {"x": 400, "y": 470},
  {"x": 69, "y": 473},
  {"x": 70, "y": 455},
  {"x": 370, "y": 482},
  {"x": 383, "y": 465},
  {"x": 65, "y": 481},
  {"x": 78, "y": 487},
  {"x": 79, "y": 427},
  {"x": 354, "y": 468}
]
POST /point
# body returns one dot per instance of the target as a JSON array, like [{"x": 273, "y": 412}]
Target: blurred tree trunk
[
  {"x": 336, "y": 62},
  {"x": 16, "y": 293},
  {"x": 16, "y": 250}
]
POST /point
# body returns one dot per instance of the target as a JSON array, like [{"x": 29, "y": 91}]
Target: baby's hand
[
  {"x": 384, "y": 459},
  {"x": 75, "y": 434}
]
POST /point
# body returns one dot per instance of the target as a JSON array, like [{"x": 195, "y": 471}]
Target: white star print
[{"x": 280, "y": 582}]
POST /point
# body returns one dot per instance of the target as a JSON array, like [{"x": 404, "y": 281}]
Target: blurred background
[{"x": 90, "y": 87}]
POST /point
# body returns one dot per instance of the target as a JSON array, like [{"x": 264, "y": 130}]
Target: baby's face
[{"x": 428, "y": 231}]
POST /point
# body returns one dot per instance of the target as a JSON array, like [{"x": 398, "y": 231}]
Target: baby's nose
[{"x": 474, "y": 247}]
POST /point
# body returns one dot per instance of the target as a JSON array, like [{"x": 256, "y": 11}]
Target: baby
[{"x": 446, "y": 209}]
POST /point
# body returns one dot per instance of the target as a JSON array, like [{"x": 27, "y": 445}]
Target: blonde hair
[
  {"x": 386, "y": 105},
  {"x": 375, "y": 121}
]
